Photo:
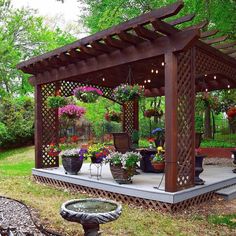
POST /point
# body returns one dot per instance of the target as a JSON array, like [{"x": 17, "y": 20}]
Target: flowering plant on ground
[
  {"x": 113, "y": 116},
  {"x": 159, "y": 156},
  {"x": 75, "y": 152},
  {"x": 126, "y": 92},
  {"x": 87, "y": 94},
  {"x": 97, "y": 152},
  {"x": 71, "y": 111},
  {"x": 127, "y": 160}
]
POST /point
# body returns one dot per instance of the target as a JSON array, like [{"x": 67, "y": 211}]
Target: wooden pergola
[{"x": 166, "y": 60}]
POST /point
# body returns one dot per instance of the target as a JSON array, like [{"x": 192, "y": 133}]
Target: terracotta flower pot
[{"x": 159, "y": 166}]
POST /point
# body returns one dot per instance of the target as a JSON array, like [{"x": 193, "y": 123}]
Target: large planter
[
  {"x": 199, "y": 169},
  {"x": 72, "y": 165},
  {"x": 158, "y": 166},
  {"x": 121, "y": 175}
]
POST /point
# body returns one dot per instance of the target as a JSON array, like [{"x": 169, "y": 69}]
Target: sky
[{"x": 66, "y": 13}]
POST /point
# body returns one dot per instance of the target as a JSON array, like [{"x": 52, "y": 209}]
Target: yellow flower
[{"x": 159, "y": 148}]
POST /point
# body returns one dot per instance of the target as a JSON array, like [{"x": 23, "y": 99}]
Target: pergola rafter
[{"x": 164, "y": 59}]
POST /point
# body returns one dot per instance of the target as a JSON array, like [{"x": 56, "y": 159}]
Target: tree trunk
[{"x": 207, "y": 121}]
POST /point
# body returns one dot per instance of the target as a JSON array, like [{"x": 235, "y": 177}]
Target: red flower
[
  {"x": 74, "y": 138},
  {"x": 231, "y": 113},
  {"x": 63, "y": 139},
  {"x": 151, "y": 140}
]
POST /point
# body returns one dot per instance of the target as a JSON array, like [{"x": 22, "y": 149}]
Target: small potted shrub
[
  {"x": 53, "y": 150},
  {"x": 56, "y": 101},
  {"x": 126, "y": 92},
  {"x": 87, "y": 94},
  {"x": 158, "y": 160},
  {"x": 123, "y": 166},
  {"x": 72, "y": 160}
]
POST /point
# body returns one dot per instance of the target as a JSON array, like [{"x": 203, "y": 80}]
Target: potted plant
[
  {"x": 72, "y": 160},
  {"x": 87, "y": 94},
  {"x": 56, "y": 101},
  {"x": 158, "y": 160},
  {"x": 160, "y": 136},
  {"x": 113, "y": 116},
  {"x": 153, "y": 112},
  {"x": 71, "y": 111},
  {"x": 123, "y": 166},
  {"x": 97, "y": 153},
  {"x": 126, "y": 92}
]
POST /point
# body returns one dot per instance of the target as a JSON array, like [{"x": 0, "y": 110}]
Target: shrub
[{"x": 17, "y": 116}]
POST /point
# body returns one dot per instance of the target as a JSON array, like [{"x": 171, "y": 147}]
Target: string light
[
  {"x": 228, "y": 86},
  {"x": 214, "y": 76},
  {"x": 103, "y": 79},
  {"x": 145, "y": 81},
  {"x": 206, "y": 90},
  {"x": 163, "y": 63},
  {"x": 152, "y": 71},
  {"x": 149, "y": 81},
  {"x": 157, "y": 71},
  {"x": 205, "y": 75}
]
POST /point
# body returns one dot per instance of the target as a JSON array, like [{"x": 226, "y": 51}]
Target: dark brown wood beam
[
  {"x": 208, "y": 33},
  {"x": 148, "y": 49},
  {"x": 215, "y": 40},
  {"x": 91, "y": 51},
  {"x": 163, "y": 27},
  {"x": 229, "y": 51},
  {"x": 146, "y": 33},
  {"x": 119, "y": 44},
  {"x": 130, "y": 38},
  {"x": 181, "y": 20},
  {"x": 233, "y": 55},
  {"x": 159, "y": 13},
  {"x": 102, "y": 47},
  {"x": 224, "y": 45},
  {"x": 200, "y": 25},
  {"x": 78, "y": 55}
]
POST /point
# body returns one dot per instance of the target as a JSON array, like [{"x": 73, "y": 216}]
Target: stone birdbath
[{"x": 91, "y": 212}]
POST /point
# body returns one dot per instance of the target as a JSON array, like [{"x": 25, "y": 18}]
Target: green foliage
[
  {"x": 23, "y": 35},
  {"x": 217, "y": 143},
  {"x": 227, "y": 220},
  {"x": 199, "y": 124},
  {"x": 17, "y": 117},
  {"x": 3, "y": 133},
  {"x": 56, "y": 101}
]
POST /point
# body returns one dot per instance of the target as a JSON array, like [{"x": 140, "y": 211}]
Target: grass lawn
[{"x": 16, "y": 182}]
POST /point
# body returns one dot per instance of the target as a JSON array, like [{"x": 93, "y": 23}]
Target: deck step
[{"x": 228, "y": 193}]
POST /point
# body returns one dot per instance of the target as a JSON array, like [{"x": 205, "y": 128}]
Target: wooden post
[
  {"x": 38, "y": 127},
  {"x": 171, "y": 122}
]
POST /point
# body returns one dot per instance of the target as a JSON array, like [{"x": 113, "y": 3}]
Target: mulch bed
[{"x": 16, "y": 220}]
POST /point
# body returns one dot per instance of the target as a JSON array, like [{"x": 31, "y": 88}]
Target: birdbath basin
[{"x": 90, "y": 212}]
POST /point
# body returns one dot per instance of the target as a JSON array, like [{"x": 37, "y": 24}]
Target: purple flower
[
  {"x": 71, "y": 110},
  {"x": 87, "y": 89},
  {"x": 157, "y": 130}
]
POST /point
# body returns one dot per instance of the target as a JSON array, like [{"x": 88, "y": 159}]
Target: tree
[{"x": 22, "y": 35}]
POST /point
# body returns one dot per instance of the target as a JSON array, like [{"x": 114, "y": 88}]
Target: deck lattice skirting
[{"x": 135, "y": 201}]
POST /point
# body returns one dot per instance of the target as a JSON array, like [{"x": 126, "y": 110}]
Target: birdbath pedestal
[{"x": 91, "y": 212}]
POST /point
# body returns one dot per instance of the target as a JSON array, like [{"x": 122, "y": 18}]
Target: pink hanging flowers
[
  {"x": 71, "y": 111},
  {"x": 87, "y": 94}
]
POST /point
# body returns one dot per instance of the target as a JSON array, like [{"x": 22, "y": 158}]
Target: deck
[{"x": 216, "y": 177}]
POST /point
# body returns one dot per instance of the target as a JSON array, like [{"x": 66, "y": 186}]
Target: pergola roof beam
[
  {"x": 130, "y": 38},
  {"x": 116, "y": 43},
  {"x": 181, "y": 20},
  {"x": 216, "y": 40},
  {"x": 209, "y": 33},
  {"x": 229, "y": 51},
  {"x": 101, "y": 47},
  {"x": 224, "y": 45},
  {"x": 146, "y": 33},
  {"x": 200, "y": 25},
  {"x": 160, "y": 13},
  {"x": 163, "y": 27}
]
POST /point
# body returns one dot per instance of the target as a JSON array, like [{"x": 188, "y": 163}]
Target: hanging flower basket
[
  {"x": 231, "y": 113},
  {"x": 153, "y": 112},
  {"x": 87, "y": 94},
  {"x": 71, "y": 111},
  {"x": 126, "y": 92},
  {"x": 56, "y": 101},
  {"x": 113, "y": 116}
]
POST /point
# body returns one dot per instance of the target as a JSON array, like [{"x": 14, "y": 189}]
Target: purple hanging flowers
[
  {"x": 71, "y": 111},
  {"x": 87, "y": 94}
]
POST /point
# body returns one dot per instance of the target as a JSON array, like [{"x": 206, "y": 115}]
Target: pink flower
[
  {"x": 87, "y": 89},
  {"x": 71, "y": 110}
]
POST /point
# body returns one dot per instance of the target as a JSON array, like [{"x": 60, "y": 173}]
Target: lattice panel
[
  {"x": 128, "y": 117},
  {"x": 67, "y": 88},
  {"x": 49, "y": 125},
  {"x": 209, "y": 64},
  {"x": 133, "y": 201},
  {"x": 185, "y": 121}
]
